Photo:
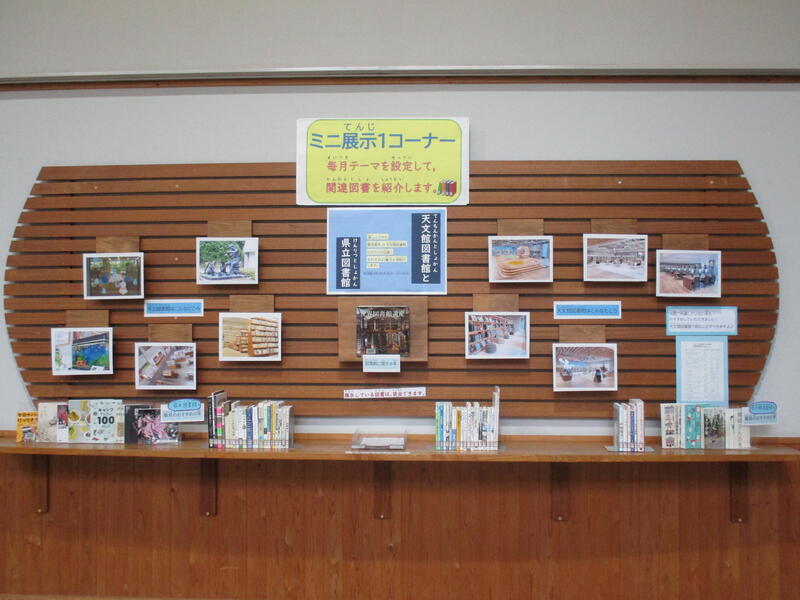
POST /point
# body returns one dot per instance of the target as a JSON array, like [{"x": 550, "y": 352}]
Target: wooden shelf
[{"x": 417, "y": 451}]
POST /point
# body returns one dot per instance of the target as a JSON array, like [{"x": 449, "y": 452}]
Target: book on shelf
[
  {"x": 235, "y": 424},
  {"x": 708, "y": 427},
  {"x": 629, "y": 432},
  {"x": 26, "y": 426},
  {"x": 130, "y": 434},
  {"x": 468, "y": 427},
  {"x": 52, "y": 422},
  {"x": 106, "y": 422},
  {"x": 150, "y": 429}
]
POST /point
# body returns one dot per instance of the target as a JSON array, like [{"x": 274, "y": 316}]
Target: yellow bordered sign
[{"x": 383, "y": 161}]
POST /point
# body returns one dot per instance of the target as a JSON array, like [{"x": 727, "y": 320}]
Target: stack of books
[
  {"x": 698, "y": 426},
  {"x": 231, "y": 424},
  {"x": 629, "y": 426},
  {"x": 468, "y": 427}
]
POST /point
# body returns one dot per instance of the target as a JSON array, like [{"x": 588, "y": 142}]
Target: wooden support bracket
[
  {"x": 86, "y": 318},
  {"x": 520, "y": 226},
  {"x": 41, "y": 482},
  {"x": 245, "y": 303},
  {"x": 559, "y": 492},
  {"x": 688, "y": 241},
  {"x": 568, "y": 334},
  {"x": 116, "y": 244},
  {"x": 615, "y": 226},
  {"x": 169, "y": 332},
  {"x": 495, "y": 302},
  {"x": 208, "y": 487},
  {"x": 382, "y": 490},
  {"x": 740, "y": 498},
  {"x": 229, "y": 229}
]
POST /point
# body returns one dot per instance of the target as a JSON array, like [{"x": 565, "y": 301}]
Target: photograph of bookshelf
[
  {"x": 383, "y": 330},
  {"x": 496, "y": 335},
  {"x": 249, "y": 336}
]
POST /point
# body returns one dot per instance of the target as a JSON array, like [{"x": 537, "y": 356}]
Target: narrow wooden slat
[
  {"x": 621, "y": 182},
  {"x": 169, "y": 171},
  {"x": 596, "y": 167}
]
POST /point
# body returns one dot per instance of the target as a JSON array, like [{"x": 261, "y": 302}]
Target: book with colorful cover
[
  {"x": 713, "y": 428},
  {"x": 78, "y": 421},
  {"x": 106, "y": 421},
  {"x": 53, "y": 422},
  {"x": 150, "y": 429},
  {"x": 26, "y": 426},
  {"x": 692, "y": 421}
]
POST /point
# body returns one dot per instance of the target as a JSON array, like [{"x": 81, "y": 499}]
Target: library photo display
[
  {"x": 496, "y": 335},
  {"x": 111, "y": 276},
  {"x": 614, "y": 257},
  {"x": 689, "y": 273},
  {"x": 227, "y": 261},
  {"x": 165, "y": 365},
  {"x": 250, "y": 336},
  {"x": 77, "y": 351},
  {"x": 584, "y": 367},
  {"x": 383, "y": 330},
  {"x": 520, "y": 259}
]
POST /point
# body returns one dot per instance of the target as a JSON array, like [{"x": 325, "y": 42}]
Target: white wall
[
  {"x": 72, "y": 37},
  {"x": 757, "y": 125}
]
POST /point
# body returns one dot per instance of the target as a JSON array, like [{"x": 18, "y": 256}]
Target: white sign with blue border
[
  {"x": 178, "y": 307},
  {"x": 587, "y": 310},
  {"x": 702, "y": 320},
  {"x": 381, "y": 363},
  {"x": 182, "y": 410}
]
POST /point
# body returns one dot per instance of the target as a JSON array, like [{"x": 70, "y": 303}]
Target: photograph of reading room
[
  {"x": 520, "y": 258},
  {"x": 584, "y": 367},
  {"x": 615, "y": 257},
  {"x": 689, "y": 273}
]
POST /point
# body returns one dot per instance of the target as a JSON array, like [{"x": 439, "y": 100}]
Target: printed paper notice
[
  {"x": 387, "y": 251},
  {"x": 415, "y": 392},
  {"x": 702, "y": 367}
]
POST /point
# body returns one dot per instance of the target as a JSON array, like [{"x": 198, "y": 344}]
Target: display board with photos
[{"x": 681, "y": 206}]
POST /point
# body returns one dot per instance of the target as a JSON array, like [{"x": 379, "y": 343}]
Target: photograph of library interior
[{"x": 400, "y": 301}]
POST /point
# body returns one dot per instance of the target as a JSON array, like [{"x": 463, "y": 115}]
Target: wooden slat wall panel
[
  {"x": 167, "y": 206},
  {"x": 305, "y": 529}
]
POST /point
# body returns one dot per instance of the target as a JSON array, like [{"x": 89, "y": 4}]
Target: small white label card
[
  {"x": 761, "y": 412},
  {"x": 182, "y": 410},
  {"x": 381, "y": 363}
]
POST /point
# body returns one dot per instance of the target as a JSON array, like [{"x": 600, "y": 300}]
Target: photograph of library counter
[{"x": 165, "y": 365}]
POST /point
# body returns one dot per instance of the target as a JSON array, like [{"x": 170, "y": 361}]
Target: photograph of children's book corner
[{"x": 496, "y": 335}]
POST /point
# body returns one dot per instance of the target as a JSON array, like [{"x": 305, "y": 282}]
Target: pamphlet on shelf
[{"x": 371, "y": 441}]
